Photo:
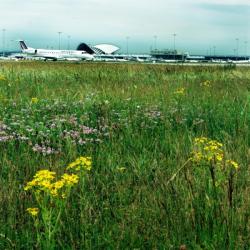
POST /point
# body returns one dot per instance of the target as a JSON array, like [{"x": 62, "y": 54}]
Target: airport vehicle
[{"x": 55, "y": 55}]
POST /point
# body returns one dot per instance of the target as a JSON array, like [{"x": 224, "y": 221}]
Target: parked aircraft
[
  {"x": 55, "y": 54},
  {"x": 239, "y": 61}
]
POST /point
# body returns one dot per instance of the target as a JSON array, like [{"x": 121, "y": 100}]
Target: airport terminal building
[{"x": 167, "y": 54}]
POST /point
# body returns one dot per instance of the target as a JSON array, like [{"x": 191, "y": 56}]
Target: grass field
[{"x": 169, "y": 148}]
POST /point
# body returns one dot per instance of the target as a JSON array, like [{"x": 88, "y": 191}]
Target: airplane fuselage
[
  {"x": 58, "y": 54},
  {"x": 55, "y": 54}
]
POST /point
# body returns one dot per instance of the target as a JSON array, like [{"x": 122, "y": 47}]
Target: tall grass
[{"x": 141, "y": 192}]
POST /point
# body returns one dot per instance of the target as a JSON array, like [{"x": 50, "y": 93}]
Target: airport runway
[{"x": 145, "y": 62}]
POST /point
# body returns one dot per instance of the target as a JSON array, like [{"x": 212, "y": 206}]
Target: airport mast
[
  {"x": 237, "y": 47},
  {"x": 174, "y": 35},
  {"x": 127, "y": 38},
  {"x": 155, "y": 42},
  {"x": 3, "y": 30},
  {"x": 69, "y": 42},
  {"x": 59, "y": 39},
  {"x": 246, "y": 43}
]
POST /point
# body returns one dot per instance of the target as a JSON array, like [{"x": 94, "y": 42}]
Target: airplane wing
[{"x": 54, "y": 58}]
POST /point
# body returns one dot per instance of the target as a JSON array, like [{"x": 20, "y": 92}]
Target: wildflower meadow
[{"x": 124, "y": 156}]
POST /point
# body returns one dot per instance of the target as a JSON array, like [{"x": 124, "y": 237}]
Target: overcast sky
[{"x": 199, "y": 24}]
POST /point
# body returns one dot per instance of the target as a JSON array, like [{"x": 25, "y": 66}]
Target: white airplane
[
  {"x": 55, "y": 55},
  {"x": 240, "y": 61},
  {"x": 4, "y": 58}
]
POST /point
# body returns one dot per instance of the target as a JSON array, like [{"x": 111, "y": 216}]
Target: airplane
[
  {"x": 239, "y": 61},
  {"x": 55, "y": 55}
]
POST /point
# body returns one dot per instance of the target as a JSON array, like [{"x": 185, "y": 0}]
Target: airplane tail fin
[{"x": 23, "y": 45}]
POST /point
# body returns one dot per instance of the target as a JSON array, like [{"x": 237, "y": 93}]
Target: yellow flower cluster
[
  {"x": 207, "y": 150},
  {"x": 232, "y": 163},
  {"x": 46, "y": 185},
  {"x": 32, "y": 211},
  {"x": 2, "y": 78},
  {"x": 44, "y": 181},
  {"x": 70, "y": 179},
  {"x": 121, "y": 169},
  {"x": 206, "y": 83},
  {"x": 81, "y": 163},
  {"x": 34, "y": 100},
  {"x": 180, "y": 91}
]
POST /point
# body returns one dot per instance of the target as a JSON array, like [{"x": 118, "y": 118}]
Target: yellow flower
[
  {"x": 197, "y": 156},
  {"x": 207, "y": 150},
  {"x": 232, "y": 163},
  {"x": 70, "y": 180},
  {"x": 45, "y": 174},
  {"x": 206, "y": 83},
  {"x": 180, "y": 91},
  {"x": 121, "y": 169},
  {"x": 56, "y": 186},
  {"x": 42, "y": 180},
  {"x": 34, "y": 100},
  {"x": 32, "y": 211},
  {"x": 81, "y": 163},
  {"x": 30, "y": 185},
  {"x": 219, "y": 157},
  {"x": 200, "y": 140},
  {"x": 45, "y": 184},
  {"x": 2, "y": 78}
]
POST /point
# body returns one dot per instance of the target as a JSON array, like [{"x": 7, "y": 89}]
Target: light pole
[
  {"x": 3, "y": 30},
  {"x": 155, "y": 42},
  {"x": 237, "y": 47},
  {"x": 174, "y": 35},
  {"x": 234, "y": 53},
  {"x": 69, "y": 42},
  {"x": 214, "y": 47},
  {"x": 11, "y": 44},
  {"x": 59, "y": 39},
  {"x": 127, "y": 38},
  {"x": 246, "y": 43}
]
